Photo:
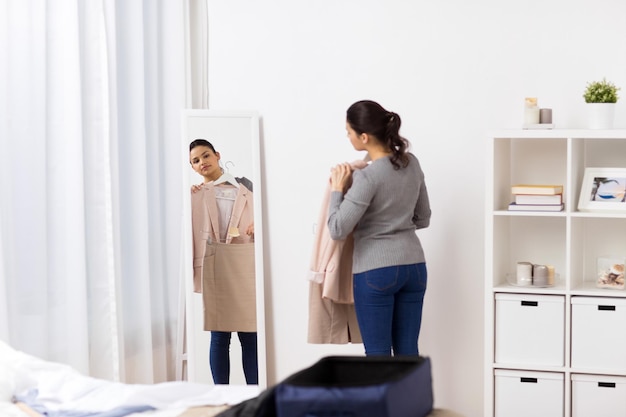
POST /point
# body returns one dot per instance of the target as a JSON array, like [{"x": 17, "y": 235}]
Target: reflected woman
[{"x": 223, "y": 260}]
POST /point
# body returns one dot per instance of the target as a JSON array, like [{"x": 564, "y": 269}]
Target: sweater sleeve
[{"x": 345, "y": 211}]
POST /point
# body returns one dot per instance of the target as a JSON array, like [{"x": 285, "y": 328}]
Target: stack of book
[{"x": 537, "y": 197}]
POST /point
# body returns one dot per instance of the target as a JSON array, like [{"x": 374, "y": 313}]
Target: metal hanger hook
[{"x": 232, "y": 164}]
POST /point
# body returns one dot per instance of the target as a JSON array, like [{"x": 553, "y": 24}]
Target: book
[
  {"x": 538, "y": 199},
  {"x": 535, "y": 207},
  {"x": 537, "y": 189}
]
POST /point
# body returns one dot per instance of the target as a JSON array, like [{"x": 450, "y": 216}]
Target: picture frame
[{"x": 603, "y": 190}]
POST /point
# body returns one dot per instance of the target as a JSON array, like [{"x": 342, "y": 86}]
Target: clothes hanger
[{"x": 226, "y": 177}]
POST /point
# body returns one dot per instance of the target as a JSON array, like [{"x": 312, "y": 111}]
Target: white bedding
[{"x": 59, "y": 387}]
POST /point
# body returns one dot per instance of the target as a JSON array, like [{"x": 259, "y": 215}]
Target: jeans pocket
[{"x": 382, "y": 279}]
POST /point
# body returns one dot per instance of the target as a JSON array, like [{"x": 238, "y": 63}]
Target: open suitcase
[{"x": 351, "y": 386}]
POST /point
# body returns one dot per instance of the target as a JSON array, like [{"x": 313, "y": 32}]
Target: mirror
[{"x": 235, "y": 136}]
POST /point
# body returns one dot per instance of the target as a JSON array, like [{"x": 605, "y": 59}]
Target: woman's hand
[
  {"x": 341, "y": 177},
  {"x": 196, "y": 188},
  {"x": 250, "y": 230}
]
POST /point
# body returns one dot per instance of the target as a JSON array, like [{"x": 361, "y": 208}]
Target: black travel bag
[{"x": 351, "y": 386}]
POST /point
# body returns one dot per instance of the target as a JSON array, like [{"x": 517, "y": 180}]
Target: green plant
[{"x": 601, "y": 92}]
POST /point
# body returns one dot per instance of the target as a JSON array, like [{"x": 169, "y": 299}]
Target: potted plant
[{"x": 601, "y": 97}]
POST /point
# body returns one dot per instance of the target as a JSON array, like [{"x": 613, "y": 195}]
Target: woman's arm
[{"x": 345, "y": 210}]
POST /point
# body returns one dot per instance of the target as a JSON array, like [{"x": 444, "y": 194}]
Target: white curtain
[{"x": 90, "y": 177}]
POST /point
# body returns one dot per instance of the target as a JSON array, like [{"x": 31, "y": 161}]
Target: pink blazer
[
  {"x": 205, "y": 224},
  {"x": 332, "y": 318}
]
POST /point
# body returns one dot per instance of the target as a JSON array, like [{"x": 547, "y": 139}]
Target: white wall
[{"x": 453, "y": 70}]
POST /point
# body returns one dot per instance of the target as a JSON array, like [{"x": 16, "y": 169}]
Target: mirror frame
[{"x": 192, "y": 326}]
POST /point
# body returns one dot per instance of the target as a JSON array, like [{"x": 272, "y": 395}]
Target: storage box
[
  {"x": 524, "y": 394},
  {"x": 371, "y": 386},
  {"x": 530, "y": 329},
  {"x": 598, "y": 396},
  {"x": 599, "y": 334}
]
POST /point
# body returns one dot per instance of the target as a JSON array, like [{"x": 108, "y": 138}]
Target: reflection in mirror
[{"x": 224, "y": 326}]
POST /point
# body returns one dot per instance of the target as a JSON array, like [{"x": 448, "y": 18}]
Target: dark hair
[
  {"x": 201, "y": 142},
  {"x": 369, "y": 117}
]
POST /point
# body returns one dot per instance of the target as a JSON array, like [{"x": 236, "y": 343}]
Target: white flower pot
[{"x": 600, "y": 115}]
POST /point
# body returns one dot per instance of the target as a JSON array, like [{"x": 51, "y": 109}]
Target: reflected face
[
  {"x": 205, "y": 162},
  {"x": 355, "y": 138}
]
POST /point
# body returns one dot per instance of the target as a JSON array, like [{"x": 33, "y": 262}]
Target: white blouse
[{"x": 225, "y": 195}]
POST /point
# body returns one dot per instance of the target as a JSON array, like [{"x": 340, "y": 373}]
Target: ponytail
[{"x": 395, "y": 142}]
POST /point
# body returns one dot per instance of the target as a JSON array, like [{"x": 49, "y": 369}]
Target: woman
[
  {"x": 223, "y": 228},
  {"x": 383, "y": 204}
]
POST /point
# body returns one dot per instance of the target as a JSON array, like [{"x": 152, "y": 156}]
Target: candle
[
  {"x": 550, "y": 274},
  {"x": 540, "y": 275},
  {"x": 545, "y": 115},
  {"x": 524, "y": 273},
  {"x": 531, "y": 111}
]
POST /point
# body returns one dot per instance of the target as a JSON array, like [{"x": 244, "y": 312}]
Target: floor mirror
[{"x": 235, "y": 135}]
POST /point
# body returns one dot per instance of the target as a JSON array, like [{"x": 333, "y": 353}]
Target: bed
[{"x": 32, "y": 387}]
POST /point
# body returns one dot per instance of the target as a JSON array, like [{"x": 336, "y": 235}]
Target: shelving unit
[{"x": 522, "y": 374}]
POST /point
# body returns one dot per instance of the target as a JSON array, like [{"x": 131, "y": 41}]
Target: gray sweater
[{"x": 383, "y": 207}]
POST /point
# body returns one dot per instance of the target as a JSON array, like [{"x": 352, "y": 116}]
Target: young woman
[
  {"x": 223, "y": 234},
  {"x": 382, "y": 205}
]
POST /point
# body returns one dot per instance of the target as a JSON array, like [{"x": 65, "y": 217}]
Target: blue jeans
[
  {"x": 388, "y": 303},
  {"x": 219, "y": 357}
]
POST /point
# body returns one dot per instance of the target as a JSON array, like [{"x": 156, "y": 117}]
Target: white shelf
[
  {"x": 570, "y": 240},
  {"x": 558, "y": 133},
  {"x": 556, "y": 289}
]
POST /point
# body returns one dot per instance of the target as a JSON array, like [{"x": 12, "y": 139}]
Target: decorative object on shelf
[
  {"x": 601, "y": 97},
  {"x": 539, "y": 189},
  {"x": 533, "y": 275},
  {"x": 533, "y": 115},
  {"x": 541, "y": 275},
  {"x": 603, "y": 190},
  {"x": 537, "y": 197},
  {"x": 531, "y": 111},
  {"x": 536, "y": 207},
  {"x": 545, "y": 116},
  {"x": 610, "y": 273},
  {"x": 524, "y": 275}
]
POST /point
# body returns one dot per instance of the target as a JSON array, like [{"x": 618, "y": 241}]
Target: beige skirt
[{"x": 229, "y": 288}]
